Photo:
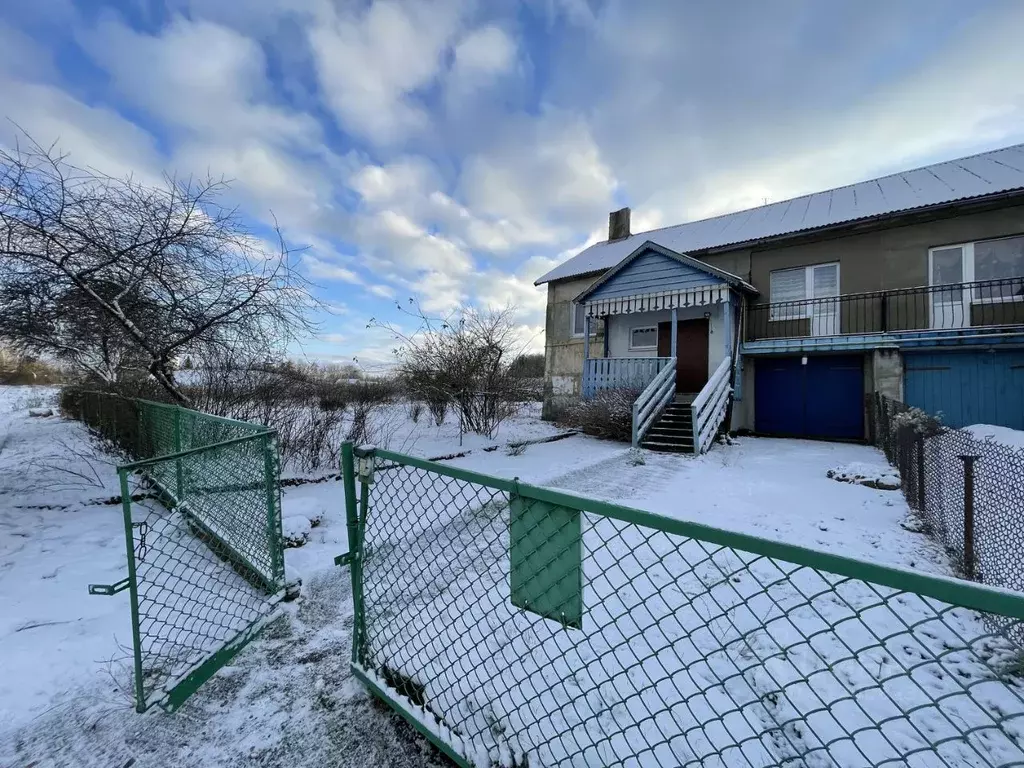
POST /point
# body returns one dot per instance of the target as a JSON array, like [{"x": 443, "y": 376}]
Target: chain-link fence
[
  {"x": 516, "y": 626},
  {"x": 968, "y": 492},
  {"x": 202, "y": 515}
]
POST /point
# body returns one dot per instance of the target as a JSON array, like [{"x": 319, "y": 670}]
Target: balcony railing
[{"x": 984, "y": 303}]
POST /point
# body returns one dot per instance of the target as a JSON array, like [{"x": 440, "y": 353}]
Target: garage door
[
  {"x": 984, "y": 387},
  {"x": 824, "y": 398}
]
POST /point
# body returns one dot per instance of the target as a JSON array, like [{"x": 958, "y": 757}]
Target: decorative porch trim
[{"x": 700, "y": 296}]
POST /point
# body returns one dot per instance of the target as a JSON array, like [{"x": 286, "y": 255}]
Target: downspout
[{"x": 737, "y": 325}]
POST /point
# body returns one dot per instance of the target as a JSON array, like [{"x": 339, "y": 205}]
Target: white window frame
[
  {"x": 572, "y": 321},
  {"x": 646, "y": 348},
  {"x": 808, "y": 291},
  {"x": 968, "y": 271}
]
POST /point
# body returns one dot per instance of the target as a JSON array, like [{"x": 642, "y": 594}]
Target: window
[
  {"x": 817, "y": 281},
  {"x": 1001, "y": 259},
  {"x": 643, "y": 337},
  {"x": 997, "y": 260},
  {"x": 578, "y": 322}
]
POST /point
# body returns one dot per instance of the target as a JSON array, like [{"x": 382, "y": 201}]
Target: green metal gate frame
[
  {"x": 204, "y": 540},
  {"x": 415, "y": 479}
]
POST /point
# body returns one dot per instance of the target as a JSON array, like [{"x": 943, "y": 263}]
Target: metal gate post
[
  {"x": 968, "y": 461},
  {"x": 355, "y": 548},
  {"x": 133, "y": 590},
  {"x": 178, "y": 470}
]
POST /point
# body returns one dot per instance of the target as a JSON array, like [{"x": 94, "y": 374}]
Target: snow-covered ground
[
  {"x": 1014, "y": 438},
  {"x": 288, "y": 699}
]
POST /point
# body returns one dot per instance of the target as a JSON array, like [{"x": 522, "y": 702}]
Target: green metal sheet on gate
[{"x": 546, "y": 560}]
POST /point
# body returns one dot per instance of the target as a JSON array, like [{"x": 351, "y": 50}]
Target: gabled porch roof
[
  {"x": 654, "y": 277},
  {"x": 686, "y": 261}
]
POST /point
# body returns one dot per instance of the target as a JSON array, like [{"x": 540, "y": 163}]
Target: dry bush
[
  {"x": 609, "y": 414},
  {"x": 466, "y": 361},
  {"x": 415, "y": 410}
]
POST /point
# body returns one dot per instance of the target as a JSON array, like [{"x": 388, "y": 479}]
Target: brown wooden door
[{"x": 691, "y": 352}]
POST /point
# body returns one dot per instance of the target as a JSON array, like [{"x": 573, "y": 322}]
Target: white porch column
[
  {"x": 586, "y": 336},
  {"x": 728, "y": 320},
  {"x": 675, "y": 331}
]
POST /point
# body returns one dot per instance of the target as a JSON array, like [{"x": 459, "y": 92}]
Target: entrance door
[{"x": 691, "y": 352}]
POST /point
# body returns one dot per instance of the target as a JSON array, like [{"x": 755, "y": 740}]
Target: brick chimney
[{"x": 618, "y": 225}]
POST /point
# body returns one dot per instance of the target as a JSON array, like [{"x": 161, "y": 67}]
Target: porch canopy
[{"x": 655, "y": 279}]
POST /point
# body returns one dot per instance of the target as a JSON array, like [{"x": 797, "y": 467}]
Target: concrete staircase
[{"x": 673, "y": 432}]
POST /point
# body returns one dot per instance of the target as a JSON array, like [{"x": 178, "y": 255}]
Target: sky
[{"x": 450, "y": 152}]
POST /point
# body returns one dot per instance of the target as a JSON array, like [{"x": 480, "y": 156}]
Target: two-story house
[{"x": 787, "y": 315}]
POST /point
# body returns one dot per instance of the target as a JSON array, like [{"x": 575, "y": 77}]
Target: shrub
[
  {"x": 609, "y": 414},
  {"x": 415, "y": 411}
]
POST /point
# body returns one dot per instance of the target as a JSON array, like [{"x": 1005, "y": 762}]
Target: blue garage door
[
  {"x": 824, "y": 398},
  {"x": 984, "y": 387}
]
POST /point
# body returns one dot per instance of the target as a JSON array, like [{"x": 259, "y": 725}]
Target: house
[{"x": 911, "y": 285}]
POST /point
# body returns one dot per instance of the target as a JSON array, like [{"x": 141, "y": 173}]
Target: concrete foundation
[{"x": 887, "y": 373}]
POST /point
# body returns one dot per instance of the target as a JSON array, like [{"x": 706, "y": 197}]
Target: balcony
[{"x": 985, "y": 306}]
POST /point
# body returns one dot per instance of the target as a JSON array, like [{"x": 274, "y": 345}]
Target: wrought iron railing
[{"x": 984, "y": 303}]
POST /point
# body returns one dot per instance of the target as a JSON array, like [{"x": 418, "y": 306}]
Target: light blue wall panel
[
  {"x": 653, "y": 272},
  {"x": 977, "y": 387}
]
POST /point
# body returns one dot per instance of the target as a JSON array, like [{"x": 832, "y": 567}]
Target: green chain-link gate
[
  {"x": 515, "y": 626},
  {"x": 202, "y": 522}
]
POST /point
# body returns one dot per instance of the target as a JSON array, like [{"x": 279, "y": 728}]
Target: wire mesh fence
[
  {"x": 981, "y": 525},
  {"x": 202, "y": 515},
  {"x": 520, "y": 626}
]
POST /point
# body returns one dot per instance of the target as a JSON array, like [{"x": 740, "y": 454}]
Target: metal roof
[{"x": 987, "y": 173}]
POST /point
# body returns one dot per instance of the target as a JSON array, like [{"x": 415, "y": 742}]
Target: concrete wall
[
  {"x": 890, "y": 258},
  {"x": 619, "y": 328},
  {"x": 563, "y": 354}
]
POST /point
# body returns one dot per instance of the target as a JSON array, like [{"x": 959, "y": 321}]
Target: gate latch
[
  {"x": 345, "y": 559},
  {"x": 364, "y": 469},
  {"x": 109, "y": 589}
]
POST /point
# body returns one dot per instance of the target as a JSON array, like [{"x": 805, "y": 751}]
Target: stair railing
[
  {"x": 652, "y": 401},
  {"x": 708, "y": 408}
]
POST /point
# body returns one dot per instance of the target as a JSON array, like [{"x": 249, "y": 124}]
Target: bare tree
[
  {"x": 137, "y": 272},
  {"x": 465, "y": 359}
]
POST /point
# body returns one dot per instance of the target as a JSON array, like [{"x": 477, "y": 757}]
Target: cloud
[
  {"x": 545, "y": 172},
  {"x": 697, "y": 114},
  {"x": 206, "y": 85},
  {"x": 479, "y": 60},
  {"x": 371, "y": 63},
  {"x": 322, "y": 270}
]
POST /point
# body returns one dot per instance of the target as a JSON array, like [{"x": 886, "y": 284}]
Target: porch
[{"x": 670, "y": 325}]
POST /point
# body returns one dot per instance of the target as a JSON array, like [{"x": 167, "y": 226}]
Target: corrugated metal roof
[{"x": 987, "y": 173}]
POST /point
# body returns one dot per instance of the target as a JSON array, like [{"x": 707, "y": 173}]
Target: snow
[
  {"x": 884, "y": 478},
  {"x": 718, "y": 646},
  {"x": 289, "y": 700},
  {"x": 1011, "y": 437}
]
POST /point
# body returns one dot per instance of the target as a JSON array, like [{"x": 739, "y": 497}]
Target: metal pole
[
  {"x": 968, "y": 461},
  {"x": 133, "y": 590},
  {"x": 352, "y": 519},
  {"x": 920, "y": 473}
]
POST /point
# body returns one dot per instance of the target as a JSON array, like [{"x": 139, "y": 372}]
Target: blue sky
[{"x": 453, "y": 151}]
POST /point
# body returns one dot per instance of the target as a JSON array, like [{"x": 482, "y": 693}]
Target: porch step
[{"x": 672, "y": 432}]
